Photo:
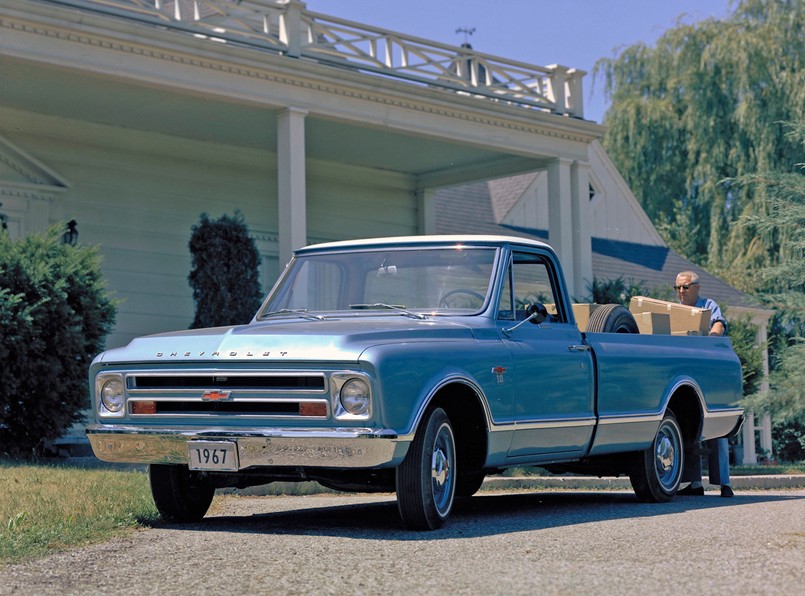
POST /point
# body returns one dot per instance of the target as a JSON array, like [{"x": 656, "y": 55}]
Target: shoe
[
  {"x": 689, "y": 491},
  {"x": 726, "y": 491}
]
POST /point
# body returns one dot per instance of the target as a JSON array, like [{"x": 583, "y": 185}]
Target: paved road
[{"x": 545, "y": 542}]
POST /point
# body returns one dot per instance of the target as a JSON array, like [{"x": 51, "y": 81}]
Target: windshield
[{"x": 423, "y": 279}]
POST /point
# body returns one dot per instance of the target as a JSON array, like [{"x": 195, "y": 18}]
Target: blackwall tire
[
  {"x": 657, "y": 471},
  {"x": 426, "y": 479},
  {"x": 612, "y": 318},
  {"x": 179, "y": 494},
  {"x": 469, "y": 484}
]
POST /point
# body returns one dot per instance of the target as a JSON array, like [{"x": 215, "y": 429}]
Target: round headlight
[
  {"x": 354, "y": 396},
  {"x": 112, "y": 395}
]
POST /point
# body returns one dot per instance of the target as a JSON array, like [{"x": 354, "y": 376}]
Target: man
[{"x": 718, "y": 458}]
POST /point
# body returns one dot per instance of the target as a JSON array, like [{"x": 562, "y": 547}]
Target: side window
[
  {"x": 505, "y": 308},
  {"x": 531, "y": 282}
]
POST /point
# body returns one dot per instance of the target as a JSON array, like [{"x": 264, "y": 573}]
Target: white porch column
[
  {"x": 748, "y": 436},
  {"x": 765, "y": 434},
  {"x": 582, "y": 232},
  {"x": 560, "y": 217},
  {"x": 291, "y": 191},
  {"x": 765, "y": 421},
  {"x": 426, "y": 212}
]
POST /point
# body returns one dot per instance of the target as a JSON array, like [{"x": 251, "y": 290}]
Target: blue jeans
[{"x": 718, "y": 460}]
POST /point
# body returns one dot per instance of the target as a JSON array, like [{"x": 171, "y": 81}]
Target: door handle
[{"x": 579, "y": 348}]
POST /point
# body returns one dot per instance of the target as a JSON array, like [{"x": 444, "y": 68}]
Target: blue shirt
[{"x": 715, "y": 311}]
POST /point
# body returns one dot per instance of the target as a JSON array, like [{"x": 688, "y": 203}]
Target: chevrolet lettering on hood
[
  {"x": 416, "y": 365},
  {"x": 246, "y": 354}
]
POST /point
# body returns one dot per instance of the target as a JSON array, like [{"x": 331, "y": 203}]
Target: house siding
[{"x": 136, "y": 194}]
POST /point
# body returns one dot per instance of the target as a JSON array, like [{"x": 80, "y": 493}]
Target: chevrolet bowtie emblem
[{"x": 215, "y": 395}]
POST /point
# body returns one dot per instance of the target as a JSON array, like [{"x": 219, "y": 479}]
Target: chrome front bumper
[{"x": 339, "y": 448}]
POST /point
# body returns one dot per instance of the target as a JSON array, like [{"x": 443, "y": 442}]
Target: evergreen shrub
[
  {"x": 55, "y": 315},
  {"x": 225, "y": 272}
]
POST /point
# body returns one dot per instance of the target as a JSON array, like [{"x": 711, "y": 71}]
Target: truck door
[{"x": 552, "y": 369}]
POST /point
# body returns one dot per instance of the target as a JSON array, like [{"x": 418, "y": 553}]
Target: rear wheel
[
  {"x": 179, "y": 494},
  {"x": 426, "y": 479},
  {"x": 657, "y": 471}
]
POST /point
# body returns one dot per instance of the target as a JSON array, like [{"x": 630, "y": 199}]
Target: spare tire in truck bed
[{"x": 612, "y": 318}]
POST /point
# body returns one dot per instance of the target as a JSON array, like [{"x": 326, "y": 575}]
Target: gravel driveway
[{"x": 548, "y": 542}]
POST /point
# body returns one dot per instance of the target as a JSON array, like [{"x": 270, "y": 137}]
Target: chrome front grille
[
  {"x": 249, "y": 381},
  {"x": 226, "y": 394}
]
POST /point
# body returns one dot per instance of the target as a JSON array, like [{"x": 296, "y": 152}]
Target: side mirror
[{"x": 537, "y": 313}]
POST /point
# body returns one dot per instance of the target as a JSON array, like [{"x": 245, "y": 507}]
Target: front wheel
[
  {"x": 179, "y": 494},
  {"x": 426, "y": 479},
  {"x": 657, "y": 471}
]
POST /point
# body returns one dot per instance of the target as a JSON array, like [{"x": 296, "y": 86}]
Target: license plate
[{"x": 212, "y": 455}]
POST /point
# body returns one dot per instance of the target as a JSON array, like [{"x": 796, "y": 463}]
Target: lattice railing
[{"x": 286, "y": 27}]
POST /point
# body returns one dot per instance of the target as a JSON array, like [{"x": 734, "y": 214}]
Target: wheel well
[
  {"x": 463, "y": 406},
  {"x": 685, "y": 406}
]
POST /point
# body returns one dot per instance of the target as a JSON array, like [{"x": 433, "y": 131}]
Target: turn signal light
[
  {"x": 143, "y": 407},
  {"x": 313, "y": 409}
]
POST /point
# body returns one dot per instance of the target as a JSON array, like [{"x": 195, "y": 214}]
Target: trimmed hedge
[
  {"x": 225, "y": 272},
  {"x": 54, "y": 318}
]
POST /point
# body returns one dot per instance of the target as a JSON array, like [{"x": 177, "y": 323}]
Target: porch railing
[{"x": 286, "y": 27}]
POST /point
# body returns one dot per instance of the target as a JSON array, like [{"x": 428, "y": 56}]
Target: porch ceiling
[{"x": 39, "y": 87}]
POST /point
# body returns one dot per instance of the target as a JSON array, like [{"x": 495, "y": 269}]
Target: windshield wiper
[
  {"x": 400, "y": 309},
  {"x": 300, "y": 312}
]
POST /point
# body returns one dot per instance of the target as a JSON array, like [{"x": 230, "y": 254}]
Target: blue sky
[{"x": 575, "y": 33}]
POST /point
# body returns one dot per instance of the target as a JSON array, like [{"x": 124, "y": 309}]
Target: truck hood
[{"x": 341, "y": 340}]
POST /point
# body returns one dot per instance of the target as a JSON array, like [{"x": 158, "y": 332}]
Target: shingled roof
[{"x": 470, "y": 209}]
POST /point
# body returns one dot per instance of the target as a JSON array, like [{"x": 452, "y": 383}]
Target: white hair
[{"x": 694, "y": 277}]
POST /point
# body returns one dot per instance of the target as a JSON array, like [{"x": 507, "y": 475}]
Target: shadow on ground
[{"x": 481, "y": 515}]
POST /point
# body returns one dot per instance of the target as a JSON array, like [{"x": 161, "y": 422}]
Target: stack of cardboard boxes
[
  {"x": 659, "y": 316},
  {"x": 653, "y": 316}
]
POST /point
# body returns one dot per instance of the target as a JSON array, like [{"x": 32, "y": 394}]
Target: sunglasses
[{"x": 684, "y": 287}]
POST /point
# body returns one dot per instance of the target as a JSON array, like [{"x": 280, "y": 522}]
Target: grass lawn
[{"x": 45, "y": 509}]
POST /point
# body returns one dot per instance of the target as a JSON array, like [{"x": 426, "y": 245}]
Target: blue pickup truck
[{"x": 417, "y": 365}]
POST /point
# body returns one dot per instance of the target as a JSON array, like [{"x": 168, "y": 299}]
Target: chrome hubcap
[
  {"x": 667, "y": 456},
  {"x": 441, "y": 470}
]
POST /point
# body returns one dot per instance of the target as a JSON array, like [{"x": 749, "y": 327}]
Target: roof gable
[{"x": 21, "y": 171}]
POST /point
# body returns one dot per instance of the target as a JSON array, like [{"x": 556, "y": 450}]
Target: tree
[
  {"x": 778, "y": 231},
  {"x": 225, "y": 272},
  {"x": 54, "y": 318},
  {"x": 701, "y": 107},
  {"x": 621, "y": 291}
]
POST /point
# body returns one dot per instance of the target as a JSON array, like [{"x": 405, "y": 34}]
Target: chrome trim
[
  {"x": 224, "y": 415},
  {"x": 549, "y": 424},
  {"x": 212, "y": 372},
  {"x": 337, "y": 380},
  {"x": 337, "y": 448},
  {"x": 453, "y": 378},
  {"x": 630, "y": 419}
]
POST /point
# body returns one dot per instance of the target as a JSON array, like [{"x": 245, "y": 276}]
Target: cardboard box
[
  {"x": 653, "y": 322},
  {"x": 683, "y": 318},
  {"x": 581, "y": 312}
]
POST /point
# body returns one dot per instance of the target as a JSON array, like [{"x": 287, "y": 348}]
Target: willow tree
[
  {"x": 703, "y": 106},
  {"x": 781, "y": 226}
]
